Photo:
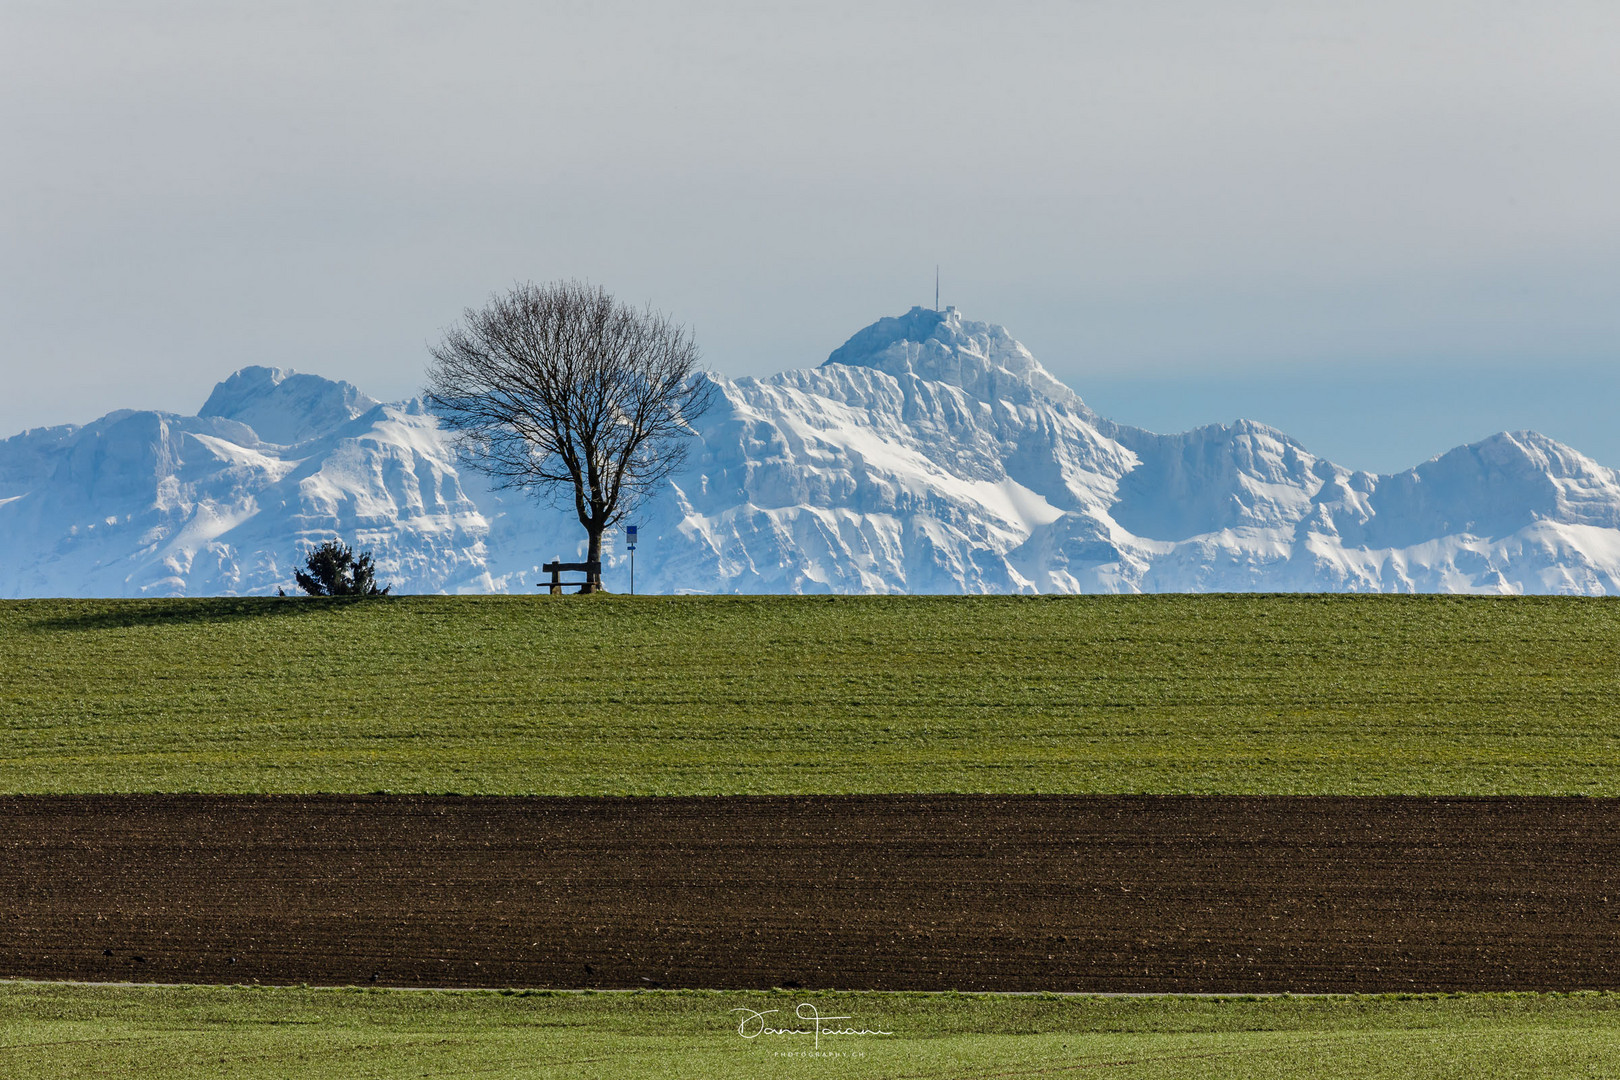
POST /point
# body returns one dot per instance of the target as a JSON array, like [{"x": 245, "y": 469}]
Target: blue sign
[{"x": 630, "y": 536}]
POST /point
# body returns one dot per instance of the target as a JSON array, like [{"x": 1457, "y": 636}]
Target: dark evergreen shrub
[{"x": 334, "y": 570}]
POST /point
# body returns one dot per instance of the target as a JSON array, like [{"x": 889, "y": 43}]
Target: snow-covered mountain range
[{"x": 929, "y": 454}]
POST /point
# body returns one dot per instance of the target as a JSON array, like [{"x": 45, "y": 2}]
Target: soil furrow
[{"x": 926, "y": 892}]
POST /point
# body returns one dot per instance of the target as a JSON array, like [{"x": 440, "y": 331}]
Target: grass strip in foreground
[
  {"x": 53, "y": 1030},
  {"x": 1300, "y": 694}
]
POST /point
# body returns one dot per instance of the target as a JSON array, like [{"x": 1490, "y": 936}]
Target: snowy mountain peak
[
  {"x": 941, "y": 346},
  {"x": 283, "y": 407},
  {"x": 931, "y": 453}
]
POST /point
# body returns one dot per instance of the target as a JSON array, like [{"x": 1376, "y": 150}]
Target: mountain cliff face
[{"x": 930, "y": 453}]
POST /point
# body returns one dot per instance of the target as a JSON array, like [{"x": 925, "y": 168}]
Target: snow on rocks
[{"x": 930, "y": 453}]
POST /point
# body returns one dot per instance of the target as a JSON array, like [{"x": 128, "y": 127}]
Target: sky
[{"x": 1385, "y": 228}]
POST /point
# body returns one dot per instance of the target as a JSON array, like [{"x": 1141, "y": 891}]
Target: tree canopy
[{"x": 564, "y": 391}]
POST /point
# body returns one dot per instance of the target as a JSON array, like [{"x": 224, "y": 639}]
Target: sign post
[{"x": 630, "y": 542}]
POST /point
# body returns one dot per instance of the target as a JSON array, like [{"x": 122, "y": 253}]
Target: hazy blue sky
[{"x": 1385, "y": 228}]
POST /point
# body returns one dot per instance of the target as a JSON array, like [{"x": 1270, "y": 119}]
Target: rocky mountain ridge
[{"x": 930, "y": 453}]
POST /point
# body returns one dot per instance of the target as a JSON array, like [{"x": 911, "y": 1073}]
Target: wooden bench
[{"x": 591, "y": 570}]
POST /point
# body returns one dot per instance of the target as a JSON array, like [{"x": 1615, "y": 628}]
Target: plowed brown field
[{"x": 1146, "y": 894}]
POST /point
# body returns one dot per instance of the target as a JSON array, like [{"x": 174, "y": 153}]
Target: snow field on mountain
[{"x": 930, "y": 454}]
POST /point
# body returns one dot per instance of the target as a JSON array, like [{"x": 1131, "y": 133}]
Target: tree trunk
[{"x": 593, "y": 582}]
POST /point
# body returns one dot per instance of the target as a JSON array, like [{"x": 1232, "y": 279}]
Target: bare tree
[{"x": 562, "y": 390}]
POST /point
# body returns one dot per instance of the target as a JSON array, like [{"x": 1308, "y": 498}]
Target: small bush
[{"x": 334, "y": 570}]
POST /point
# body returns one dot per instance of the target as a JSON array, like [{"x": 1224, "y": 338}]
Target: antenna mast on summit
[{"x": 936, "y": 286}]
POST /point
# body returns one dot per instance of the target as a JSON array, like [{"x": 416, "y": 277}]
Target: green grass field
[
  {"x": 608, "y": 694},
  {"x": 617, "y": 695},
  {"x": 184, "y": 1032}
]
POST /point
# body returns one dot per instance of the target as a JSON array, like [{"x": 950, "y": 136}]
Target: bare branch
[{"x": 563, "y": 391}]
